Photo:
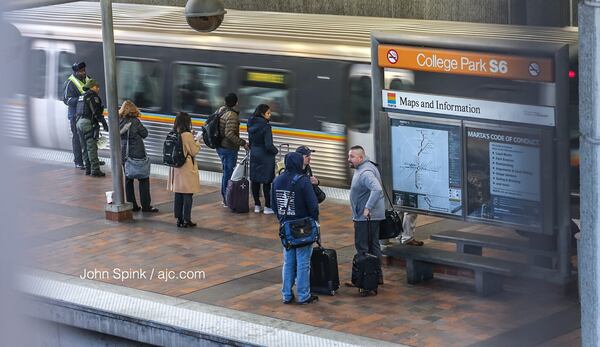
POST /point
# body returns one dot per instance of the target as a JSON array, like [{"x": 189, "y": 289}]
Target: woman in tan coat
[{"x": 184, "y": 181}]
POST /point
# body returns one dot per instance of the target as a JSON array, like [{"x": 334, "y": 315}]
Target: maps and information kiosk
[{"x": 479, "y": 132}]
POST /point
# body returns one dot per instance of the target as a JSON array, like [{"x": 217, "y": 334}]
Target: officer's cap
[{"x": 78, "y": 66}]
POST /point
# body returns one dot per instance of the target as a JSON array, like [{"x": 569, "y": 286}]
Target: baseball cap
[{"x": 304, "y": 150}]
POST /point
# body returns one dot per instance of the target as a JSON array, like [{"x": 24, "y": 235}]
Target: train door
[
  {"x": 361, "y": 122},
  {"x": 50, "y": 66}
]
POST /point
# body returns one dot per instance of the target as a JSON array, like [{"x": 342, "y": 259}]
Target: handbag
[
  {"x": 391, "y": 227},
  {"x": 298, "y": 232},
  {"x": 321, "y": 196},
  {"x": 136, "y": 168}
]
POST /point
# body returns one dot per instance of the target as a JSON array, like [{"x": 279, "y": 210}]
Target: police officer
[
  {"x": 89, "y": 115},
  {"x": 72, "y": 90}
]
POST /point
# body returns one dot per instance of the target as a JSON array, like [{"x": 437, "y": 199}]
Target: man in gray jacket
[{"x": 366, "y": 201}]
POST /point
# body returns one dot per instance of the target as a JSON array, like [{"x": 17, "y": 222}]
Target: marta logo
[{"x": 391, "y": 99}]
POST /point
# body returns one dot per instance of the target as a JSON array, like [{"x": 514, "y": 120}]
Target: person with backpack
[
  {"x": 307, "y": 155},
  {"x": 367, "y": 203},
  {"x": 293, "y": 198},
  {"x": 262, "y": 156},
  {"x": 184, "y": 180},
  {"x": 230, "y": 141},
  {"x": 133, "y": 133},
  {"x": 89, "y": 117}
]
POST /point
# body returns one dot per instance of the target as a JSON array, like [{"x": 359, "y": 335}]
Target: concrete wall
[{"x": 533, "y": 12}]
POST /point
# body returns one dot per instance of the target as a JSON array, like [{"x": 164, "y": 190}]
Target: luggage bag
[
  {"x": 238, "y": 190},
  {"x": 365, "y": 273},
  {"x": 324, "y": 277},
  {"x": 280, "y": 164},
  {"x": 366, "y": 270}
]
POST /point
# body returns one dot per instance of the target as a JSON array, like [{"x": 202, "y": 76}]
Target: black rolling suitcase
[
  {"x": 324, "y": 277},
  {"x": 366, "y": 270},
  {"x": 238, "y": 189}
]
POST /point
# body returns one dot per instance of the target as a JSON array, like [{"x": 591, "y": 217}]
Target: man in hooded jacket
[{"x": 294, "y": 201}]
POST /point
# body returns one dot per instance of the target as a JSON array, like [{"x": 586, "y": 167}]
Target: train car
[{"x": 314, "y": 71}]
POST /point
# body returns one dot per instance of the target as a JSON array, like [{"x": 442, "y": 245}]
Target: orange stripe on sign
[{"x": 466, "y": 63}]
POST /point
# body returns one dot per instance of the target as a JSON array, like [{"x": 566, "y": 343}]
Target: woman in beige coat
[{"x": 184, "y": 181}]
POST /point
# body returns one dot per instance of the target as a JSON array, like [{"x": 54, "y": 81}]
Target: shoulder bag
[
  {"x": 136, "y": 168},
  {"x": 298, "y": 232}
]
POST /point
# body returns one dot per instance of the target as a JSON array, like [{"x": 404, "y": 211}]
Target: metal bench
[
  {"x": 489, "y": 272},
  {"x": 474, "y": 243}
]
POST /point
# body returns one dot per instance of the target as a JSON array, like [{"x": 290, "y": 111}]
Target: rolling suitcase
[
  {"x": 366, "y": 270},
  {"x": 324, "y": 277},
  {"x": 238, "y": 189},
  {"x": 365, "y": 273},
  {"x": 280, "y": 164}
]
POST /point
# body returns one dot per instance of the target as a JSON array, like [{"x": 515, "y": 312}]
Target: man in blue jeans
[
  {"x": 229, "y": 130},
  {"x": 295, "y": 200}
]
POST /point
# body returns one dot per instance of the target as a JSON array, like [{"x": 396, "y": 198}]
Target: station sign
[
  {"x": 466, "y": 63},
  {"x": 471, "y": 108}
]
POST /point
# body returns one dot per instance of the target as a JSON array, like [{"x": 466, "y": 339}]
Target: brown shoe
[
  {"x": 414, "y": 242},
  {"x": 349, "y": 284}
]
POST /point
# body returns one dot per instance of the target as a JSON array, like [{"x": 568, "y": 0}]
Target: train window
[
  {"x": 38, "y": 64},
  {"x": 360, "y": 103},
  {"x": 197, "y": 89},
  {"x": 141, "y": 82},
  {"x": 266, "y": 87},
  {"x": 65, "y": 60}
]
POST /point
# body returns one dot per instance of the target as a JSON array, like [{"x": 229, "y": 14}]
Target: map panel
[{"x": 426, "y": 166}]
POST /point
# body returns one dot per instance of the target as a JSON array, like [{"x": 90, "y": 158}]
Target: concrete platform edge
[{"x": 162, "y": 320}]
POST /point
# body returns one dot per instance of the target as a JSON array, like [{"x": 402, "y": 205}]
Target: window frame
[
  {"x": 289, "y": 82},
  {"x": 44, "y": 89},
  {"x": 161, "y": 104},
  {"x": 61, "y": 81},
  {"x": 222, "y": 67}
]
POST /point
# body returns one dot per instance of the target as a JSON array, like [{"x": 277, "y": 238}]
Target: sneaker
[
  {"x": 310, "y": 300},
  {"x": 257, "y": 208},
  {"x": 98, "y": 174},
  {"x": 268, "y": 210},
  {"x": 223, "y": 204},
  {"x": 290, "y": 301},
  {"x": 80, "y": 166}
]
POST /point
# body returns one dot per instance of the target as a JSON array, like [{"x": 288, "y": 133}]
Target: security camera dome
[{"x": 204, "y": 15}]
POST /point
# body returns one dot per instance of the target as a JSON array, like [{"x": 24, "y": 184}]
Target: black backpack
[
  {"x": 173, "y": 150},
  {"x": 210, "y": 131}
]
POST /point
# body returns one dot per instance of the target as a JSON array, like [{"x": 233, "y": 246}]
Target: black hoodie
[{"x": 303, "y": 201}]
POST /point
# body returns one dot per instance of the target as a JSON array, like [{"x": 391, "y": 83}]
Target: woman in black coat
[
  {"x": 133, "y": 134},
  {"x": 262, "y": 156}
]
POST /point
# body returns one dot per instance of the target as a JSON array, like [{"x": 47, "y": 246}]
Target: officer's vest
[
  {"x": 83, "y": 109},
  {"x": 78, "y": 83}
]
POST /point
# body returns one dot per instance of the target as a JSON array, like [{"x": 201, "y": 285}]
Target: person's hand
[
  {"x": 105, "y": 126},
  {"x": 246, "y": 146},
  {"x": 314, "y": 180},
  {"x": 367, "y": 213}
]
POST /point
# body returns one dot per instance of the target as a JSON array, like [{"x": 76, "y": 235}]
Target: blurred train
[{"x": 314, "y": 71}]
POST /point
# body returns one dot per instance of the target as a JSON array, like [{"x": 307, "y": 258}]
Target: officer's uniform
[
  {"x": 89, "y": 115},
  {"x": 73, "y": 89}
]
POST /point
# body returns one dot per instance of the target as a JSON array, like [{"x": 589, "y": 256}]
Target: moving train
[{"x": 314, "y": 71}]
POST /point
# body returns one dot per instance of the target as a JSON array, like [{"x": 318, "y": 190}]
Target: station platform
[{"x": 240, "y": 258}]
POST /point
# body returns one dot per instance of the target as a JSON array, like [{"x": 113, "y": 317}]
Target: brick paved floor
[{"x": 241, "y": 259}]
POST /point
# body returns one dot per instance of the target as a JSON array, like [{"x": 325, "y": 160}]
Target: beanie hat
[
  {"x": 91, "y": 83},
  {"x": 78, "y": 66}
]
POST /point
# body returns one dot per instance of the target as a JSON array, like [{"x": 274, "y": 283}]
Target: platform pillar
[{"x": 589, "y": 127}]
